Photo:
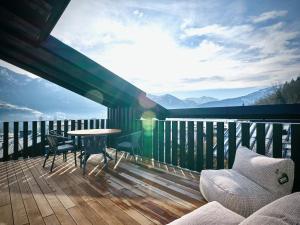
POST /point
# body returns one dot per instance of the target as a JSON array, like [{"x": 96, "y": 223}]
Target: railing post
[
  {"x": 85, "y": 124},
  {"x": 73, "y": 128},
  {"x": 103, "y": 124},
  {"x": 58, "y": 126},
  {"x": 277, "y": 140},
  {"x": 16, "y": 140},
  {"x": 246, "y": 135},
  {"x": 220, "y": 145},
  {"x": 182, "y": 142},
  {"x": 5, "y": 140},
  {"x": 175, "y": 143},
  {"x": 295, "y": 154},
  {"x": 231, "y": 143},
  {"x": 97, "y": 124},
  {"x": 34, "y": 148},
  {"x": 199, "y": 158},
  {"x": 79, "y": 128},
  {"x": 43, "y": 136},
  {"x": 161, "y": 139},
  {"x": 260, "y": 138},
  {"x": 147, "y": 132},
  {"x": 155, "y": 140},
  {"x": 209, "y": 145},
  {"x": 51, "y": 125},
  {"x": 66, "y": 128},
  {"x": 91, "y": 124},
  {"x": 168, "y": 142},
  {"x": 191, "y": 145},
  {"x": 25, "y": 140}
]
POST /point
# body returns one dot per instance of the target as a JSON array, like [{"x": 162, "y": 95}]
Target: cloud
[
  {"x": 183, "y": 45},
  {"x": 268, "y": 16},
  {"x": 201, "y": 79}
]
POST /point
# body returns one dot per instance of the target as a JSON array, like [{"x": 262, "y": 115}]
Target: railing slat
[
  {"x": 209, "y": 145},
  {"x": 66, "y": 128},
  {"x": 5, "y": 140},
  {"x": 25, "y": 140},
  {"x": 85, "y": 124},
  {"x": 220, "y": 145},
  {"x": 277, "y": 140},
  {"x": 43, "y": 136},
  {"x": 175, "y": 143},
  {"x": 231, "y": 143},
  {"x": 58, "y": 126},
  {"x": 91, "y": 124},
  {"x": 51, "y": 125},
  {"x": 199, "y": 158},
  {"x": 295, "y": 154},
  {"x": 182, "y": 143},
  {"x": 73, "y": 128},
  {"x": 16, "y": 140},
  {"x": 168, "y": 142},
  {"x": 103, "y": 124},
  {"x": 191, "y": 145},
  {"x": 161, "y": 138},
  {"x": 260, "y": 138},
  {"x": 34, "y": 149},
  {"x": 155, "y": 139},
  {"x": 147, "y": 140},
  {"x": 79, "y": 128},
  {"x": 97, "y": 124},
  {"x": 246, "y": 135}
]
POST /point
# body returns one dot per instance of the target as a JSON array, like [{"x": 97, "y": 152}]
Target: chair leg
[
  {"x": 66, "y": 157},
  {"x": 116, "y": 158},
  {"x": 46, "y": 157},
  {"x": 52, "y": 162},
  {"x": 75, "y": 158},
  {"x": 84, "y": 162}
]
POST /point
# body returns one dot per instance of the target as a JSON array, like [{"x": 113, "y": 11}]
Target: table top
[{"x": 93, "y": 132}]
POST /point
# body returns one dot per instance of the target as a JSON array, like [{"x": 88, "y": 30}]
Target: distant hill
[
  {"x": 172, "y": 102},
  {"x": 19, "y": 92},
  {"x": 288, "y": 93},
  {"x": 249, "y": 99}
]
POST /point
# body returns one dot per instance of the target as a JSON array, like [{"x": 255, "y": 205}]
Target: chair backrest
[
  {"x": 136, "y": 138},
  {"x": 52, "y": 140},
  {"x": 275, "y": 175},
  {"x": 94, "y": 144}
]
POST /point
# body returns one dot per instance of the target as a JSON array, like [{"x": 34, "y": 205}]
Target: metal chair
[
  {"x": 57, "y": 147},
  {"x": 93, "y": 145},
  {"x": 129, "y": 142}
]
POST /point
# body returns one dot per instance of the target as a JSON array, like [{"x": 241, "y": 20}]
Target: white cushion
[
  {"x": 212, "y": 213},
  {"x": 233, "y": 190},
  {"x": 265, "y": 171},
  {"x": 283, "y": 211}
]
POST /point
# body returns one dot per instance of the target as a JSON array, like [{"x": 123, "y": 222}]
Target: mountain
[
  {"x": 18, "y": 92},
  {"x": 169, "y": 101},
  {"x": 201, "y": 100},
  {"x": 249, "y": 99},
  {"x": 172, "y": 102}
]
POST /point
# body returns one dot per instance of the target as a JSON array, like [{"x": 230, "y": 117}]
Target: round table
[{"x": 91, "y": 134}]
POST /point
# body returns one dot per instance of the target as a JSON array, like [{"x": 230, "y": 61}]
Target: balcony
[{"x": 154, "y": 185}]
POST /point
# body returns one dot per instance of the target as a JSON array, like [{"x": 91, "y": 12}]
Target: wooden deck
[{"x": 132, "y": 193}]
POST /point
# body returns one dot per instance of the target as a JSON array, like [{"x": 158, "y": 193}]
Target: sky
[{"x": 188, "y": 48}]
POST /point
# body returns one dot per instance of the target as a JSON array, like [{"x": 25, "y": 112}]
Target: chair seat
[
  {"x": 233, "y": 190},
  {"x": 125, "y": 144},
  {"x": 65, "y": 147}
]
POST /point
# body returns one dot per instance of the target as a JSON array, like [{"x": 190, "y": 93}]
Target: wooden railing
[{"x": 27, "y": 139}]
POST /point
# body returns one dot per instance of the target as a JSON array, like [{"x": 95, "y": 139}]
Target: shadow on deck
[{"x": 129, "y": 193}]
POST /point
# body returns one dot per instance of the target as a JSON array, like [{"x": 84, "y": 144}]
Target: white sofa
[
  {"x": 283, "y": 211},
  {"x": 253, "y": 182}
]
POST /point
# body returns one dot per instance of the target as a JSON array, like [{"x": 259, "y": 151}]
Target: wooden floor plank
[
  {"x": 4, "y": 189},
  {"x": 6, "y": 216},
  {"x": 51, "y": 220},
  {"x": 38, "y": 195},
  {"x": 33, "y": 213},
  {"x": 131, "y": 193},
  {"x": 18, "y": 208}
]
